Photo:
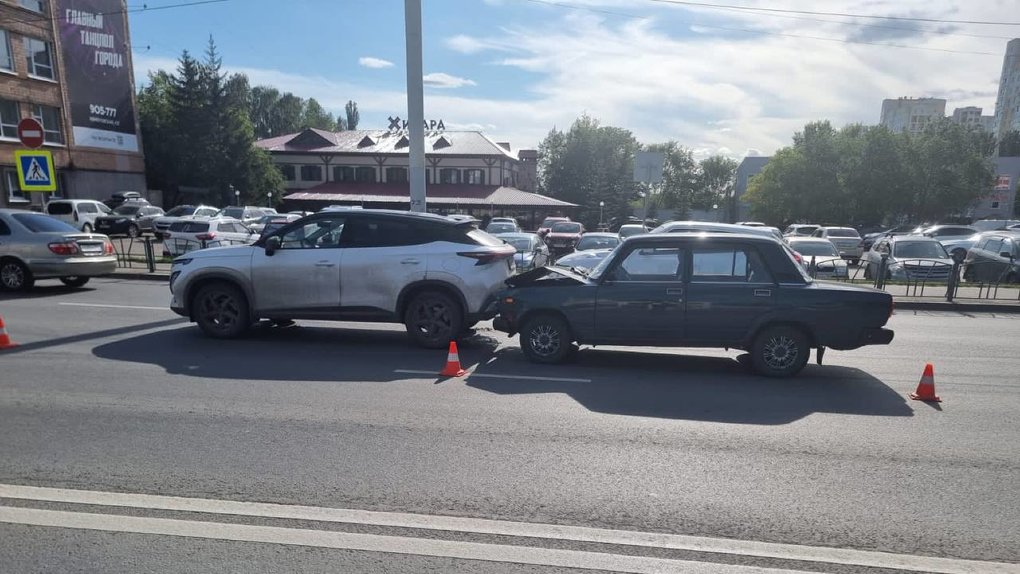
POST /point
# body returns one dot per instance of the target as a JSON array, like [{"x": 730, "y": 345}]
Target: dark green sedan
[{"x": 694, "y": 290}]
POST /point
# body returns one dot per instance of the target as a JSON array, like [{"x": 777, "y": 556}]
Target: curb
[
  {"x": 141, "y": 275},
  {"x": 957, "y": 307}
]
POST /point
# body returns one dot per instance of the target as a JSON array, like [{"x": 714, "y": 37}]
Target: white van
[
  {"x": 79, "y": 213},
  {"x": 993, "y": 224}
]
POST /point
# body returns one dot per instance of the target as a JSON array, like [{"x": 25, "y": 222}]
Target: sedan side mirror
[
  {"x": 272, "y": 244},
  {"x": 1006, "y": 254}
]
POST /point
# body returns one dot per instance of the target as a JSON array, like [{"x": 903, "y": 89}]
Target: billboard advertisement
[{"x": 93, "y": 39}]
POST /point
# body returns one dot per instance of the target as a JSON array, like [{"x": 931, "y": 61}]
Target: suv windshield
[
  {"x": 501, "y": 227},
  {"x": 235, "y": 212},
  {"x": 522, "y": 244},
  {"x": 816, "y": 249},
  {"x": 549, "y": 222},
  {"x": 597, "y": 242},
  {"x": 566, "y": 227},
  {"x": 128, "y": 209},
  {"x": 919, "y": 249},
  {"x": 59, "y": 208},
  {"x": 181, "y": 211},
  {"x": 842, "y": 232}
]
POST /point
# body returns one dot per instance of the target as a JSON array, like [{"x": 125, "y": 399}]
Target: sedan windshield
[
  {"x": 843, "y": 232},
  {"x": 597, "y": 242},
  {"x": 235, "y": 212},
  {"x": 566, "y": 227},
  {"x": 181, "y": 211},
  {"x": 38, "y": 223},
  {"x": 919, "y": 250},
  {"x": 501, "y": 227}
]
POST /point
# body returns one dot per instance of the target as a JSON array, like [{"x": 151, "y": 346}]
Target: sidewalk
[{"x": 933, "y": 303}]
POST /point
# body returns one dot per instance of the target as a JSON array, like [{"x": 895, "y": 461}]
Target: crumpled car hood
[{"x": 547, "y": 276}]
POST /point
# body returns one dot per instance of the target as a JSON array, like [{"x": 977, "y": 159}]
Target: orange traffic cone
[
  {"x": 5, "y": 340},
  {"x": 926, "y": 388},
  {"x": 453, "y": 368}
]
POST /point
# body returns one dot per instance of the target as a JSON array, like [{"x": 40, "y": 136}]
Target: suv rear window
[
  {"x": 59, "y": 208},
  {"x": 189, "y": 227}
]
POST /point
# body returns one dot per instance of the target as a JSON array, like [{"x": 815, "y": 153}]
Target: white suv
[
  {"x": 436, "y": 276},
  {"x": 78, "y": 213}
]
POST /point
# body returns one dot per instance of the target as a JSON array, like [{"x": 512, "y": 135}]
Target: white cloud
[
  {"x": 370, "y": 62},
  {"x": 446, "y": 81}
]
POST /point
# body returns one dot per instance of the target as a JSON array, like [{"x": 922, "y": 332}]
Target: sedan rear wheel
[
  {"x": 87, "y": 228},
  {"x": 133, "y": 231},
  {"x": 780, "y": 351},
  {"x": 14, "y": 276},
  {"x": 547, "y": 339},
  {"x": 221, "y": 311},
  {"x": 74, "y": 280}
]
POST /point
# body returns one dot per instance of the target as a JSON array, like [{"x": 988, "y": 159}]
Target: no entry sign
[{"x": 30, "y": 132}]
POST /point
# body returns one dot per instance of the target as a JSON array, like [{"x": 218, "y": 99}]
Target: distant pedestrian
[{"x": 485, "y": 221}]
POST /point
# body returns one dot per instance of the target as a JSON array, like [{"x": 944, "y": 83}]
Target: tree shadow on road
[
  {"x": 43, "y": 291},
  {"x": 717, "y": 389},
  {"x": 305, "y": 353}
]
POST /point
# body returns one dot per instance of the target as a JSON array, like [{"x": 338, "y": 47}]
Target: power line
[
  {"x": 840, "y": 14},
  {"x": 144, "y": 8},
  {"x": 783, "y": 34}
]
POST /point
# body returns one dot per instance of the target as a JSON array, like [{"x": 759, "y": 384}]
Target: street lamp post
[
  {"x": 715, "y": 208},
  {"x": 237, "y": 195},
  {"x": 602, "y": 204},
  {"x": 269, "y": 195}
]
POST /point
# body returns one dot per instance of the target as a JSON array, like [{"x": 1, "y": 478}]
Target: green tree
[
  {"x": 587, "y": 165},
  {"x": 261, "y": 105},
  {"x": 716, "y": 182},
  {"x": 316, "y": 117},
  {"x": 353, "y": 117},
  {"x": 286, "y": 115},
  {"x": 1009, "y": 146},
  {"x": 680, "y": 186}
]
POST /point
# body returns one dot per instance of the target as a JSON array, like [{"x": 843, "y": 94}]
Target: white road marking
[
  {"x": 509, "y": 528},
  {"x": 492, "y": 376},
  {"x": 110, "y": 306},
  {"x": 371, "y": 543}
]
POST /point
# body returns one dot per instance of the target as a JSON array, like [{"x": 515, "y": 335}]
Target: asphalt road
[{"x": 110, "y": 392}]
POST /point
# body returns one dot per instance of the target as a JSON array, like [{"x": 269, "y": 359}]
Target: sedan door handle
[
  {"x": 675, "y": 291},
  {"x": 410, "y": 262},
  {"x": 762, "y": 292},
  {"x": 325, "y": 264}
]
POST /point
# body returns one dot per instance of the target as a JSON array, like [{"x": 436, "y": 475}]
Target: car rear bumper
[{"x": 78, "y": 267}]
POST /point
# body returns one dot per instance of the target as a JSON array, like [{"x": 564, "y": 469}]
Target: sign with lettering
[
  {"x": 399, "y": 125},
  {"x": 93, "y": 36},
  {"x": 1002, "y": 183}
]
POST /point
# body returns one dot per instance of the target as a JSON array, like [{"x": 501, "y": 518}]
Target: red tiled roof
[{"x": 443, "y": 194}]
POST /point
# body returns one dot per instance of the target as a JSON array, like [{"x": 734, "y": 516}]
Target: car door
[
  {"x": 729, "y": 290},
  {"x": 987, "y": 268},
  {"x": 302, "y": 276},
  {"x": 640, "y": 299},
  {"x": 382, "y": 255}
]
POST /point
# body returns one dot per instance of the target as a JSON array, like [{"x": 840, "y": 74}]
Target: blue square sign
[{"x": 35, "y": 170}]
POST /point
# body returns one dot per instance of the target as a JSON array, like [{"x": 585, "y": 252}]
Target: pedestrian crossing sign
[{"x": 35, "y": 170}]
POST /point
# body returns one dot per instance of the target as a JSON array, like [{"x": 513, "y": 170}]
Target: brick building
[{"x": 67, "y": 63}]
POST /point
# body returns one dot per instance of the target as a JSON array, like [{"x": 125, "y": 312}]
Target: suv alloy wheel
[{"x": 433, "y": 319}]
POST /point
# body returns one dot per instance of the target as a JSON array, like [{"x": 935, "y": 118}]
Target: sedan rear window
[
  {"x": 38, "y": 223},
  {"x": 809, "y": 249},
  {"x": 189, "y": 227},
  {"x": 181, "y": 211},
  {"x": 920, "y": 249}
]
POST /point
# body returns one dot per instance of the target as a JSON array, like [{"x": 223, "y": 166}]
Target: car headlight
[{"x": 182, "y": 260}]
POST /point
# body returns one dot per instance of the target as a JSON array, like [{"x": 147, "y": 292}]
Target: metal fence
[
  {"x": 141, "y": 252},
  {"x": 982, "y": 280}
]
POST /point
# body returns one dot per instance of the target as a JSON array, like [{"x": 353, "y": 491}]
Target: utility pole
[{"x": 415, "y": 104}]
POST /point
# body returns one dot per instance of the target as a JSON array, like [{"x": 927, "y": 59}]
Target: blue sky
[{"x": 718, "y": 81}]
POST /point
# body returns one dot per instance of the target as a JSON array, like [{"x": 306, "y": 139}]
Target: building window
[
  {"x": 6, "y": 55},
  {"x": 288, "y": 172},
  {"x": 311, "y": 173},
  {"x": 343, "y": 173},
  {"x": 34, "y": 5},
  {"x": 396, "y": 175},
  {"x": 14, "y": 193},
  {"x": 995, "y": 205},
  {"x": 50, "y": 119},
  {"x": 39, "y": 56},
  {"x": 476, "y": 176},
  {"x": 449, "y": 175},
  {"x": 365, "y": 174},
  {"x": 9, "y": 118}
]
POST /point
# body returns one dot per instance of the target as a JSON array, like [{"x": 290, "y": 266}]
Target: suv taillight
[
  {"x": 64, "y": 248},
  {"x": 205, "y": 236},
  {"x": 486, "y": 257}
]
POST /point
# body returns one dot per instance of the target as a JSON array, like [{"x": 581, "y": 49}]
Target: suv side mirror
[
  {"x": 272, "y": 244},
  {"x": 1006, "y": 254}
]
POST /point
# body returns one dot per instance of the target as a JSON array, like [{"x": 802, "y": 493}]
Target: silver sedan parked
[
  {"x": 36, "y": 246},
  {"x": 819, "y": 257}
]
